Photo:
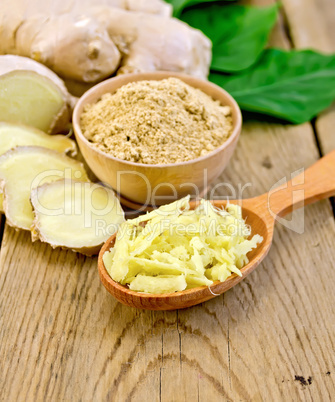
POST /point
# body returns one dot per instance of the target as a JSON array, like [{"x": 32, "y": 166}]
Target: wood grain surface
[{"x": 270, "y": 338}]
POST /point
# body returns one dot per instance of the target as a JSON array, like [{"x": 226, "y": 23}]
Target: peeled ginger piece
[
  {"x": 75, "y": 215},
  {"x": 25, "y": 168},
  {"x": 29, "y": 98}
]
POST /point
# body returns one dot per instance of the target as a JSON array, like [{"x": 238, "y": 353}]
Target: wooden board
[{"x": 63, "y": 337}]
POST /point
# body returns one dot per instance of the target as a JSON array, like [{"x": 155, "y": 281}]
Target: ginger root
[
  {"x": 75, "y": 215},
  {"x": 150, "y": 43},
  {"x": 86, "y": 41},
  {"x": 25, "y": 168}
]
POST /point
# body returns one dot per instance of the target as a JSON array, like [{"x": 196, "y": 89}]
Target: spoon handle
[{"x": 311, "y": 185}]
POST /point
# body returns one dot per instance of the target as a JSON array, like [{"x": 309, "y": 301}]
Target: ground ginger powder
[{"x": 157, "y": 122}]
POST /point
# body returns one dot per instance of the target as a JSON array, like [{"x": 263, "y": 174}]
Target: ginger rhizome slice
[
  {"x": 75, "y": 215},
  {"x": 12, "y": 62},
  {"x": 30, "y": 98},
  {"x": 14, "y": 135},
  {"x": 25, "y": 168}
]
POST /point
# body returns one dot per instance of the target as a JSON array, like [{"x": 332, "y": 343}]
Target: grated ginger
[
  {"x": 179, "y": 248},
  {"x": 157, "y": 122}
]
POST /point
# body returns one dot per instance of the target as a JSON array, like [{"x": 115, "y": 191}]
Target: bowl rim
[{"x": 156, "y": 76}]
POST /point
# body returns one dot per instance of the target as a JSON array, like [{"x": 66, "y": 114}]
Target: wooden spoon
[{"x": 314, "y": 184}]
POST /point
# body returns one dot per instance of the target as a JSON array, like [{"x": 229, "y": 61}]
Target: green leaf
[
  {"x": 239, "y": 33},
  {"x": 294, "y": 85},
  {"x": 180, "y": 5}
]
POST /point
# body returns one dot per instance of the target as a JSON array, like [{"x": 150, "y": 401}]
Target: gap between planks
[
  {"x": 2, "y": 227},
  {"x": 321, "y": 153}
]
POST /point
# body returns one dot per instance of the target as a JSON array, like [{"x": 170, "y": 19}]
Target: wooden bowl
[{"x": 157, "y": 184}]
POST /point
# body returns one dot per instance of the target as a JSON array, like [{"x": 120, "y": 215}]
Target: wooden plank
[
  {"x": 311, "y": 24},
  {"x": 63, "y": 337}
]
